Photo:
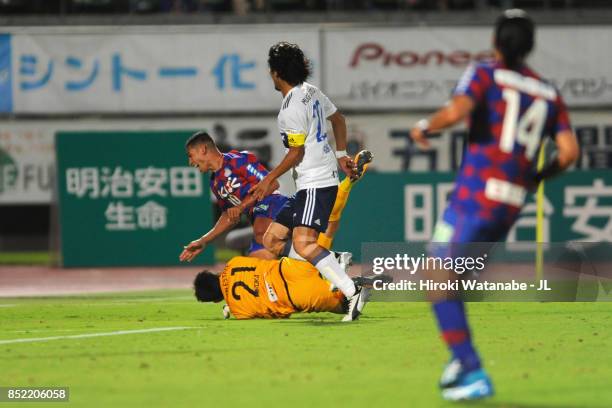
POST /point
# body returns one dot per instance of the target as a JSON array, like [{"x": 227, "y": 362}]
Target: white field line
[
  {"x": 83, "y": 336},
  {"x": 7, "y": 305},
  {"x": 46, "y": 330}
]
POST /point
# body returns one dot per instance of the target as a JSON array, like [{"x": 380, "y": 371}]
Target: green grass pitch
[{"x": 539, "y": 355}]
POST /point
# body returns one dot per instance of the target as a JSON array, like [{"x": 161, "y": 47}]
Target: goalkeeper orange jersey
[{"x": 260, "y": 288}]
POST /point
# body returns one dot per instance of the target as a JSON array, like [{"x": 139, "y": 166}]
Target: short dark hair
[
  {"x": 514, "y": 36},
  {"x": 207, "y": 287},
  {"x": 200, "y": 137},
  {"x": 289, "y": 62}
]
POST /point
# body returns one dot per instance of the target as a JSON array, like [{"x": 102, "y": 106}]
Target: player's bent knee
[
  {"x": 258, "y": 236},
  {"x": 269, "y": 240},
  {"x": 260, "y": 226},
  {"x": 307, "y": 247},
  {"x": 262, "y": 254},
  {"x": 273, "y": 243}
]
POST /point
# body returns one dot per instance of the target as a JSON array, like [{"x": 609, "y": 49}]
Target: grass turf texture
[
  {"x": 540, "y": 355},
  {"x": 47, "y": 258},
  {"x": 26, "y": 258}
]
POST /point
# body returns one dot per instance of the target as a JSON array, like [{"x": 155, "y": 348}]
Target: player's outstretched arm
[
  {"x": 452, "y": 113},
  {"x": 291, "y": 159},
  {"x": 234, "y": 212},
  {"x": 194, "y": 248},
  {"x": 567, "y": 146}
]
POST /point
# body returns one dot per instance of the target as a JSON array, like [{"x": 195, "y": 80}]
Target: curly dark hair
[
  {"x": 289, "y": 63},
  {"x": 207, "y": 287}
]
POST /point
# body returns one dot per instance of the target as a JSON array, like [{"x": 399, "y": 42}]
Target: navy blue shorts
[
  {"x": 269, "y": 207},
  {"x": 310, "y": 207}
]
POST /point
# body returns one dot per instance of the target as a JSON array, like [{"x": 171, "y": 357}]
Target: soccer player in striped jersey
[
  {"x": 511, "y": 109},
  {"x": 232, "y": 175}
]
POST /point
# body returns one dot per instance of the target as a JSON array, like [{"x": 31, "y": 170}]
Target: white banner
[
  {"x": 386, "y": 135},
  {"x": 217, "y": 71},
  {"x": 416, "y": 68},
  {"x": 27, "y": 164},
  {"x": 27, "y": 150},
  {"x": 182, "y": 69},
  {"x": 27, "y": 158}
]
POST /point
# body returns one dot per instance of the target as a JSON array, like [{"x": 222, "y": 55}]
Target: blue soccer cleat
[{"x": 470, "y": 385}]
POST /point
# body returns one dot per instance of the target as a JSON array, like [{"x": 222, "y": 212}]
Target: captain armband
[{"x": 296, "y": 139}]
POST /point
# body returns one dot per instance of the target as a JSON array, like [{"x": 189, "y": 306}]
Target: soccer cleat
[
  {"x": 368, "y": 281},
  {"x": 451, "y": 373},
  {"x": 345, "y": 259},
  {"x": 353, "y": 309},
  {"x": 226, "y": 312},
  {"x": 362, "y": 160},
  {"x": 363, "y": 299},
  {"x": 470, "y": 385}
]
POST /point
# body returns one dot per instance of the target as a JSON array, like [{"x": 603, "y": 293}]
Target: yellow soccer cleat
[{"x": 362, "y": 161}]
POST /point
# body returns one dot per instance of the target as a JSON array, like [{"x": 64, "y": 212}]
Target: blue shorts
[
  {"x": 457, "y": 228},
  {"x": 310, "y": 207},
  {"x": 269, "y": 207}
]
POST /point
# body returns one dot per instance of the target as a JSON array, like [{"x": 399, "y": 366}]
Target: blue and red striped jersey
[
  {"x": 514, "y": 111},
  {"x": 231, "y": 183}
]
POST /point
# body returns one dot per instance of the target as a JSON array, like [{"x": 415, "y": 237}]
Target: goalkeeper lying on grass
[{"x": 260, "y": 288}]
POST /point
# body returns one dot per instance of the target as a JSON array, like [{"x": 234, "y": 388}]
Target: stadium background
[
  {"x": 96, "y": 100},
  {"x": 68, "y": 71}
]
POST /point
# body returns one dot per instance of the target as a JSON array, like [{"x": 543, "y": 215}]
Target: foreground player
[
  {"x": 232, "y": 175},
  {"x": 302, "y": 123},
  {"x": 511, "y": 110}
]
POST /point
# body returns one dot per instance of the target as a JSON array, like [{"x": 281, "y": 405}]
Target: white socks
[
  {"x": 293, "y": 254},
  {"x": 333, "y": 272},
  {"x": 290, "y": 251}
]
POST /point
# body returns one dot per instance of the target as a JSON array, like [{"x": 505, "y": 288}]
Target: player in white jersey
[
  {"x": 302, "y": 122},
  {"x": 305, "y": 109}
]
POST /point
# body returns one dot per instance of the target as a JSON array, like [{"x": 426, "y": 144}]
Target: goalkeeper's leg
[{"x": 362, "y": 160}]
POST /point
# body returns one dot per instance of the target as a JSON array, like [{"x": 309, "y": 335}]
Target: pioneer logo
[{"x": 375, "y": 52}]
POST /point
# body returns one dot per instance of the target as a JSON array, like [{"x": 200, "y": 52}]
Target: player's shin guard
[
  {"x": 329, "y": 267},
  {"x": 456, "y": 333}
]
